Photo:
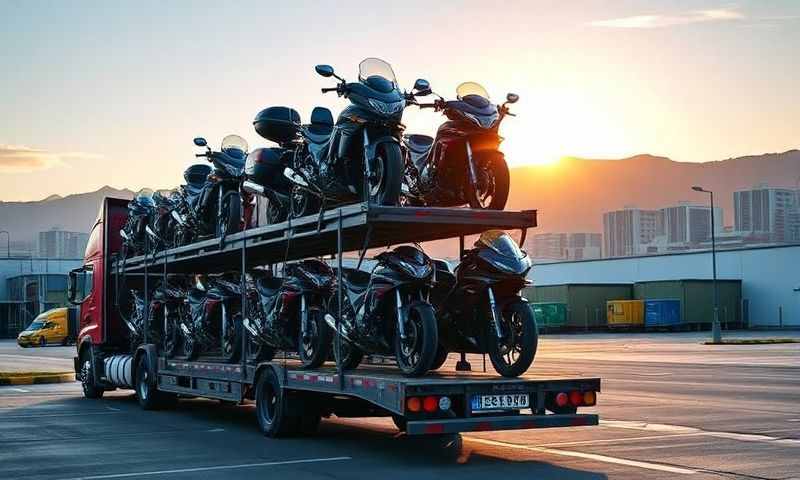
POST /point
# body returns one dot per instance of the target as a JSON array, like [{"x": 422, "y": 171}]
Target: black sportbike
[
  {"x": 288, "y": 313},
  {"x": 134, "y": 234},
  {"x": 213, "y": 320},
  {"x": 186, "y": 223},
  {"x": 358, "y": 158},
  {"x": 480, "y": 309},
  {"x": 161, "y": 228},
  {"x": 464, "y": 164},
  {"x": 386, "y": 311}
]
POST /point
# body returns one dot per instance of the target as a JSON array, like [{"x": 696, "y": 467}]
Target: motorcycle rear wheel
[
  {"x": 512, "y": 355},
  {"x": 493, "y": 181},
  {"x": 232, "y": 339},
  {"x": 387, "y": 171},
  {"x": 347, "y": 355},
  {"x": 416, "y": 353}
]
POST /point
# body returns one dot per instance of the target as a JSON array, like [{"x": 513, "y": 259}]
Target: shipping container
[
  {"x": 696, "y": 299},
  {"x": 586, "y": 302},
  {"x": 625, "y": 313},
  {"x": 550, "y": 315},
  {"x": 662, "y": 313}
]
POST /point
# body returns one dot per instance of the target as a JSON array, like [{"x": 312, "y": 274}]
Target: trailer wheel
[
  {"x": 90, "y": 389},
  {"x": 146, "y": 392},
  {"x": 271, "y": 407}
]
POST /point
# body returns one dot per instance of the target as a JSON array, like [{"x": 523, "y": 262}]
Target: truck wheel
[
  {"x": 315, "y": 348},
  {"x": 271, "y": 407},
  {"x": 513, "y": 354},
  {"x": 90, "y": 389},
  {"x": 146, "y": 392},
  {"x": 415, "y": 353}
]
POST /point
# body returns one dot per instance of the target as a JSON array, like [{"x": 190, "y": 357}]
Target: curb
[{"x": 36, "y": 378}]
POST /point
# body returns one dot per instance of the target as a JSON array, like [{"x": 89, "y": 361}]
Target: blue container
[{"x": 662, "y": 313}]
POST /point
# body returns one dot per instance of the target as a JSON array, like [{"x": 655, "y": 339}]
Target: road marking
[
  {"x": 618, "y": 440},
  {"x": 58, "y": 415},
  {"x": 216, "y": 467},
  {"x": 678, "y": 429},
  {"x": 589, "y": 456},
  {"x": 20, "y": 390}
]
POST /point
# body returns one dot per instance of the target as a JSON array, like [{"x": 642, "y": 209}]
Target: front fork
[
  {"x": 305, "y": 328},
  {"x": 473, "y": 174},
  {"x": 498, "y": 330}
]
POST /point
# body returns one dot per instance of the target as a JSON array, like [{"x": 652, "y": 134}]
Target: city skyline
[{"x": 113, "y": 94}]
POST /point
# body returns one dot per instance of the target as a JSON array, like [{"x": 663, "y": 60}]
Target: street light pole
[
  {"x": 716, "y": 329},
  {"x": 8, "y": 243}
]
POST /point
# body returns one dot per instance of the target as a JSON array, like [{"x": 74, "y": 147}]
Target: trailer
[{"x": 291, "y": 400}]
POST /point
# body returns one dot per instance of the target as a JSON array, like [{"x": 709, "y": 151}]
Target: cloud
[
  {"x": 22, "y": 159},
  {"x": 661, "y": 21}
]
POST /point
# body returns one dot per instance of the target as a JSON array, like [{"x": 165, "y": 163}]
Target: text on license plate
[{"x": 495, "y": 402}]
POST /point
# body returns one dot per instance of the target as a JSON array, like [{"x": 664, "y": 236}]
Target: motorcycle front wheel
[
  {"x": 230, "y": 220},
  {"x": 513, "y": 354},
  {"x": 232, "y": 339},
  {"x": 417, "y": 351},
  {"x": 314, "y": 347},
  {"x": 494, "y": 181},
  {"x": 303, "y": 203},
  {"x": 346, "y": 354},
  {"x": 387, "y": 175}
]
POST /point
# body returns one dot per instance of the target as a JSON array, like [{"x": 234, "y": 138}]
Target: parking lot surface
[{"x": 670, "y": 408}]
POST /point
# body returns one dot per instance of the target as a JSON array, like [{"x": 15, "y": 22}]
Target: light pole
[
  {"x": 716, "y": 331},
  {"x": 8, "y": 243}
]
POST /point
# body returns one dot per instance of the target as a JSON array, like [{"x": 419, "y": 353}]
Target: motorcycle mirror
[
  {"x": 422, "y": 85},
  {"x": 512, "y": 98},
  {"x": 324, "y": 70},
  {"x": 200, "y": 142}
]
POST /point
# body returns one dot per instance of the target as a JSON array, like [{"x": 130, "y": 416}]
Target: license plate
[{"x": 500, "y": 402}]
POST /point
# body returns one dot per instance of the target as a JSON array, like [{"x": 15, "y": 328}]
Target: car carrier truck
[{"x": 290, "y": 400}]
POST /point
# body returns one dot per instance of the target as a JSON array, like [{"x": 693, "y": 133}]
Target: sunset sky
[{"x": 96, "y": 93}]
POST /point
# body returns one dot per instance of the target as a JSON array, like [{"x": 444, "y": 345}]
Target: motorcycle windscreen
[{"x": 377, "y": 74}]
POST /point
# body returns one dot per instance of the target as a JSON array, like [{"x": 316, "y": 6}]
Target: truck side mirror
[{"x": 72, "y": 286}]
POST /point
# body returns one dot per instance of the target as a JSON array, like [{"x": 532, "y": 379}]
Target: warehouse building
[{"x": 769, "y": 276}]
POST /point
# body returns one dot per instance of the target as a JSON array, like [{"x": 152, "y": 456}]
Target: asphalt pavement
[{"x": 670, "y": 407}]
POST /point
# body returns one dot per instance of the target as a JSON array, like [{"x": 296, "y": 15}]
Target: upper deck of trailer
[{"x": 357, "y": 227}]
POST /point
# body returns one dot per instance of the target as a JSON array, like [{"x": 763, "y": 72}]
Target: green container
[
  {"x": 586, "y": 302},
  {"x": 550, "y": 315},
  {"x": 697, "y": 299}
]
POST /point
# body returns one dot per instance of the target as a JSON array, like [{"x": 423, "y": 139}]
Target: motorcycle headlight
[
  {"x": 483, "y": 121},
  {"x": 385, "y": 108},
  {"x": 515, "y": 268},
  {"x": 416, "y": 271},
  {"x": 319, "y": 281}
]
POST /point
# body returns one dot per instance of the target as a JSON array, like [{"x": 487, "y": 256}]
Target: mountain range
[{"x": 570, "y": 195}]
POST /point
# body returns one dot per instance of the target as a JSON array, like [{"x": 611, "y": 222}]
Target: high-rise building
[
  {"x": 61, "y": 244},
  {"x": 628, "y": 232},
  {"x": 764, "y": 209},
  {"x": 566, "y": 246},
  {"x": 688, "y": 225}
]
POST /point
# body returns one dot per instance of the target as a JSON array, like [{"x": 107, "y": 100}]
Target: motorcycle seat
[
  {"x": 321, "y": 127},
  {"x": 419, "y": 143},
  {"x": 268, "y": 286}
]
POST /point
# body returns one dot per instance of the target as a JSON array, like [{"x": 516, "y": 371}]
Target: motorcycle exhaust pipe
[
  {"x": 332, "y": 323},
  {"x": 253, "y": 187},
  {"x": 124, "y": 235},
  {"x": 294, "y": 177}
]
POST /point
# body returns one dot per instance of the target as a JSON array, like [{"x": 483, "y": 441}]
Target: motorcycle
[
  {"x": 213, "y": 318},
  {"x": 358, "y": 158},
  {"x": 166, "y": 309},
  {"x": 187, "y": 197},
  {"x": 289, "y": 313},
  {"x": 384, "y": 307},
  {"x": 133, "y": 233},
  {"x": 463, "y": 165},
  {"x": 263, "y": 176},
  {"x": 218, "y": 210},
  {"x": 480, "y": 309},
  {"x": 162, "y": 225}
]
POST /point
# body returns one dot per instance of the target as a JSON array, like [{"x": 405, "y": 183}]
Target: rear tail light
[
  {"x": 562, "y": 399},
  {"x": 576, "y": 398},
  {"x": 430, "y": 404},
  {"x": 414, "y": 404},
  {"x": 589, "y": 398}
]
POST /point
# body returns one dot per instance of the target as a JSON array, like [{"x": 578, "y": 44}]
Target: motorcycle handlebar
[
  {"x": 426, "y": 105},
  {"x": 331, "y": 89}
]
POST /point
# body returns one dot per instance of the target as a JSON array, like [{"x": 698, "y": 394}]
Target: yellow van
[{"x": 53, "y": 327}]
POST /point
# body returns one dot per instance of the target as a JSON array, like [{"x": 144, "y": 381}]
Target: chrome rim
[
  {"x": 269, "y": 403},
  {"x": 377, "y": 178},
  {"x": 510, "y": 347},
  {"x": 485, "y": 188},
  {"x": 411, "y": 346}
]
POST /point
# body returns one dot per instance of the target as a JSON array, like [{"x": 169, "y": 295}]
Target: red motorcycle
[{"x": 464, "y": 164}]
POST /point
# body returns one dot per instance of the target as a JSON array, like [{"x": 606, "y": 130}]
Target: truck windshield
[{"x": 35, "y": 325}]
